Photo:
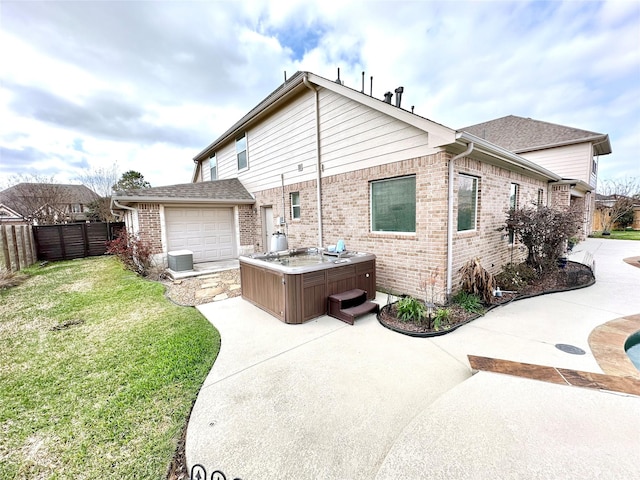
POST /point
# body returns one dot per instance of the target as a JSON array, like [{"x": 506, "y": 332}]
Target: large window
[
  {"x": 513, "y": 204},
  {"x": 295, "y": 205},
  {"x": 213, "y": 165},
  {"x": 241, "y": 151},
  {"x": 393, "y": 205},
  {"x": 467, "y": 203}
]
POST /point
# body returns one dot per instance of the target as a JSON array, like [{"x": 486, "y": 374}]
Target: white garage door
[{"x": 207, "y": 232}]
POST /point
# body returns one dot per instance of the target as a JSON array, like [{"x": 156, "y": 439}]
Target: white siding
[
  {"x": 353, "y": 136},
  {"x": 571, "y": 161},
  {"x": 206, "y": 171}
]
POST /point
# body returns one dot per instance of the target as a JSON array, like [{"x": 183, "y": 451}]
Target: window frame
[
  {"x": 514, "y": 200},
  {"x": 474, "y": 221},
  {"x": 213, "y": 165},
  {"x": 372, "y": 197},
  {"x": 245, "y": 150},
  {"x": 294, "y": 206}
]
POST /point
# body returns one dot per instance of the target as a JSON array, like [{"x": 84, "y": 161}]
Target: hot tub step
[{"x": 349, "y": 305}]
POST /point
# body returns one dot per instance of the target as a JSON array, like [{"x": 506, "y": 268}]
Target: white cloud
[{"x": 153, "y": 83}]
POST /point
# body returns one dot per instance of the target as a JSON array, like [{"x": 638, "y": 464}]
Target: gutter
[
  {"x": 119, "y": 205},
  {"x": 307, "y": 84},
  {"x": 469, "y": 149}
]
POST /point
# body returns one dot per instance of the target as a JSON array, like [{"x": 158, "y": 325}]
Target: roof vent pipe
[
  {"x": 362, "y": 91},
  {"x": 338, "y": 81},
  {"x": 371, "y": 87},
  {"x": 399, "y": 91},
  {"x": 412, "y": 107},
  {"x": 285, "y": 76},
  {"x": 387, "y": 97}
]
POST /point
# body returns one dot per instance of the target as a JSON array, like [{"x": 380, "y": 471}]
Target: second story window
[
  {"x": 213, "y": 165},
  {"x": 241, "y": 152}
]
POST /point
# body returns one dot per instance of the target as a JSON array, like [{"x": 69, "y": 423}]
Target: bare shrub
[
  {"x": 476, "y": 280},
  {"x": 10, "y": 279},
  {"x": 134, "y": 252}
]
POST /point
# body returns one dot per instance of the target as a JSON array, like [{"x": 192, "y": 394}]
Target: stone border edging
[{"x": 455, "y": 327}]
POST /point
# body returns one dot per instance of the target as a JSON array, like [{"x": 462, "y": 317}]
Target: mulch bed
[{"x": 572, "y": 276}]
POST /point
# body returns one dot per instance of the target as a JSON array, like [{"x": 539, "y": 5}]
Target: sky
[{"x": 146, "y": 85}]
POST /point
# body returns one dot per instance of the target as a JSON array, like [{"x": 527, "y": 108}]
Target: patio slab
[{"x": 333, "y": 401}]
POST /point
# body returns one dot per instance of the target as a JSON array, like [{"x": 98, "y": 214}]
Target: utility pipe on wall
[
  {"x": 307, "y": 84},
  {"x": 450, "y": 216}
]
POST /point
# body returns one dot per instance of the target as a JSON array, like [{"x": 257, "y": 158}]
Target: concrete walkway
[{"x": 325, "y": 400}]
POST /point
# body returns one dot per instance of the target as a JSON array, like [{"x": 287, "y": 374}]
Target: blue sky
[{"x": 147, "y": 85}]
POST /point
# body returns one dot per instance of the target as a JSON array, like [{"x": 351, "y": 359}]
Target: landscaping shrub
[
  {"x": 441, "y": 317},
  {"x": 476, "y": 280},
  {"x": 411, "y": 310},
  {"x": 544, "y": 231},
  {"x": 134, "y": 252},
  {"x": 515, "y": 276},
  {"x": 468, "y": 301}
]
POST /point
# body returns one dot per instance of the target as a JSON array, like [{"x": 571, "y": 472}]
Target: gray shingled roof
[
  {"x": 64, "y": 194},
  {"x": 216, "y": 191},
  {"x": 519, "y": 134}
]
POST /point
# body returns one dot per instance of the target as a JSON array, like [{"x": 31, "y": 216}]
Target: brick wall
[
  {"x": 149, "y": 225},
  {"x": 248, "y": 225},
  {"x": 403, "y": 259}
]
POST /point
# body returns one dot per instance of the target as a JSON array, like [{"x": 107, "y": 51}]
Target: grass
[
  {"x": 98, "y": 373},
  {"x": 619, "y": 235}
]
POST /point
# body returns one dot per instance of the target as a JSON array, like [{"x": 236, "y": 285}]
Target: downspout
[
  {"x": 450, "y": 217},
  {"x": 124, "y": 207},
  {"x": 307, "y": 84}
]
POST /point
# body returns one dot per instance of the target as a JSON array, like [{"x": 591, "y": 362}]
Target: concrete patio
[{"x": 333, "y": 401}]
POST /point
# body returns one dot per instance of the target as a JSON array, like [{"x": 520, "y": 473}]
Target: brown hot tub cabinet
[{"x": 295, "y": 294}]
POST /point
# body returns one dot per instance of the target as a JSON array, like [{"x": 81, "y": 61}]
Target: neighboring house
[
  {"x": 603, "y": 205},
  {"x": 323, "y": 162},
  {"x": 45, "y": 203},
  {"x": 570, "y": 152}
]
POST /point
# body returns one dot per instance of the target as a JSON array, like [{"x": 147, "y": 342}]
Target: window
[
  {"x": 76, "y": 208},
  {"x": 295, "y": 205},
  {"x": 213, "y": 165},
  {"x": 467, "y": 203},
  {"x": 540, "y": 197},
  {"x": 513, "y": 204},
  {"x": 393, "y": 205},
  {"x": 241, "y": 151}
]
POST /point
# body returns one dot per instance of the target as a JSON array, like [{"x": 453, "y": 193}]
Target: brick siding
[{"x": 149, "y": 225}]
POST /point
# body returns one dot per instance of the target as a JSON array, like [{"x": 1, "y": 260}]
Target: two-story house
[{"x": 321, "y": 161}]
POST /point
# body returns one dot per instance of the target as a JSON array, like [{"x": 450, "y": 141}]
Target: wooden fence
[
  {"x": 74, "y": 240},
  {"x": 17, "y": 246}
]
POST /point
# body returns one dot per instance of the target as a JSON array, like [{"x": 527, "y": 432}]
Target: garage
[{"x": 207, "y": 232}]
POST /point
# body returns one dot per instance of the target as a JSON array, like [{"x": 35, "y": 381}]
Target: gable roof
[
  {"x": 298, "y": 83},
  {"x": 65, "y": 194},
  {"x": 215, "y": 191},
  {"x": 519, "y": 135}
]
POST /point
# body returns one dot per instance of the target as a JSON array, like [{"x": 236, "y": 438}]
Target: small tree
[
  {"x": 619, "y": 198},
  {"x": 100, "y": 180},
  {"x": 544, "y": 231},
  {"x": 131, "y": 180}
]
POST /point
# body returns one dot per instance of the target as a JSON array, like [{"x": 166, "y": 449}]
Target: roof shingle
[{"x": 227, "y": 190}]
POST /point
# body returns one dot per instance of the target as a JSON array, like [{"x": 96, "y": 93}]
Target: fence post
[
  {"x": 23, "y": 246},
  {"x": 29, "y": 245},
  {"x": 15, "y": 247},
  {"x": 34, "y": 248},
  {"x": 4, "y": 242}
]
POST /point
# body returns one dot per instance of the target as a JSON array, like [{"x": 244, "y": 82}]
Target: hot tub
[{"x": 294, "y": 286}]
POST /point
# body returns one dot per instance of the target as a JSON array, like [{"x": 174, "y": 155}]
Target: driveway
[{"x": 333, "y": 401}]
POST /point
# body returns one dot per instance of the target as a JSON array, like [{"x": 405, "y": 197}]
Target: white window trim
[
  {"x": 213, "y": 157},
  {"x": 293, "y": 217},
  {"x": 475, "y": 213},
  {"x": 246, "y": 150}
]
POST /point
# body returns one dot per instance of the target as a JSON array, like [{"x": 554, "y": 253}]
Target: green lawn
[
  {"x": 98, "y": 372},
  {"x": 619, "y": 235}
]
